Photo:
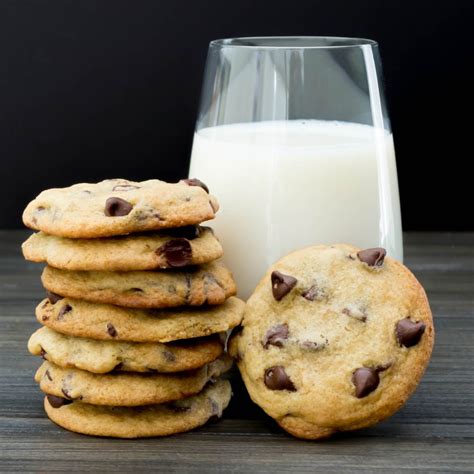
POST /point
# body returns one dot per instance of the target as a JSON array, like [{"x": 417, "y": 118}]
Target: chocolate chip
[
  {"x": 196, "y": 182},
  {"x": 43, "y": 353},
  {"x": 53, "y": 297},
  {"x": 115, "y": 206},
  {"x": 276, "y": 336},
  {"x": 146, "y": 214},
  {"x": 169, "y": 356},
  {"x": 48, "y": 375},
  {"x": 215, "y": 408},
  {"x": 216, "y": 412},
  {"x": 409, "y": 332},
  {"x": 313, "y": 293},
  {"x": 57, "y": 402},
  {"x": 178, "y": 252},
  {"x": 44, "y": 317},
  {"x": 210, "y": 285},
  {"x": 187, "y": 296},
  {"x": 66, "y": 393},
  {"x": 275, "y": 378},
  {"x": 189, "y": 232},
  {"x": 125, "y": 187},
  {"x": 282, "y": 284},
  {"x": 65, "y": 309},
  {"x": 366, "y": 380},
  {"x": 111, "y": 330},
  {"x": 40, "y": 208},
  {"x": 372, "y": 257},
  {"x": 383, "y": 367},
  {"x": 313, "y": 345}
]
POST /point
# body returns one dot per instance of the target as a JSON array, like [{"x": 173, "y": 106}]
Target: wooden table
[{"x": 433, "y": 432}]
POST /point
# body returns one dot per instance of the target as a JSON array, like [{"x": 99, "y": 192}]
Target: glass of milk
[{"x": 294, "y": 140}]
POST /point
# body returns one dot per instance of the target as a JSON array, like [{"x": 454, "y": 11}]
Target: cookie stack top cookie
[{"x": 119, "y": 207}]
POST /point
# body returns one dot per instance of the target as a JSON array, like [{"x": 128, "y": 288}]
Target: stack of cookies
[{"x": 137, "y": 305}]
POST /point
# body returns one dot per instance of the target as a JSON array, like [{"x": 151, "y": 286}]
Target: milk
[{"x": 284, "y": 185}]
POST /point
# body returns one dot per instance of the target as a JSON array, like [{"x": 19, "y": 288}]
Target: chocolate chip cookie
[
  {"x": 101, "y": 357},
  {"x": 126, "y": 388},
  {"x": 119, "y": 207},
  {"x": 334, "y": 338},
  {"x": 210, "y": 283},
  {"x": 138, "y": 422},
  {"x": 171, "y": 248},
  {"x": 109, "y": 322}
]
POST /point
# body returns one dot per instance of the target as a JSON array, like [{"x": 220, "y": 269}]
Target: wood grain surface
[{"x": 433, "y": 432}]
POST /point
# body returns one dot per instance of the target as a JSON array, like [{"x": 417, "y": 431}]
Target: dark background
[{"x": 96, "y": 89}]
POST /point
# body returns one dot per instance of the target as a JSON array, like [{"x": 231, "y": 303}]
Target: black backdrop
[{"x": 93, "y": 88}]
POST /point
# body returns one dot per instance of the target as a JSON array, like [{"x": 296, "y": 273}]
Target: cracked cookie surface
[
  {"x": 171, "y": 248},
  {"x": 334, "y": 339},
  {"x": 126, "y": 388},
  {"x": 118, "y": 207},
  {"x": 101, "y": 357},
  {"x": 210, "y": 283},
  {"x": 93, "y": 320}
]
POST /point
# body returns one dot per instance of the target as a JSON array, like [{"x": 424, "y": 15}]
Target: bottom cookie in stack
[{"x": 140, "y": 422}]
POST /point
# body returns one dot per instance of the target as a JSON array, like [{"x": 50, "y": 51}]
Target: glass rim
[{"x": 305, "y": 42}]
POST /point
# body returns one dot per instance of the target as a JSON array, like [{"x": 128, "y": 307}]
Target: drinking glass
[{"x": 294, "y": 140}]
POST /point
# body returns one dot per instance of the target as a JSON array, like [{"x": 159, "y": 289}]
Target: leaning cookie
[
  {"x": 334, "y": 338},
  {"x": 109, "y": 322},
  {"x": 171, "y": 248},
  {"x": 101, "y": 357},
  {"x": 126, "y": 388},
  {"x": 153, "y": 420},
  {"x": 119, "y": 207},
  {"x": 210, "y": 283}
]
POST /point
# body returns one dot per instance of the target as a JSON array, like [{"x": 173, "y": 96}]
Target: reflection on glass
[{"x": 293, "y": 138}]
